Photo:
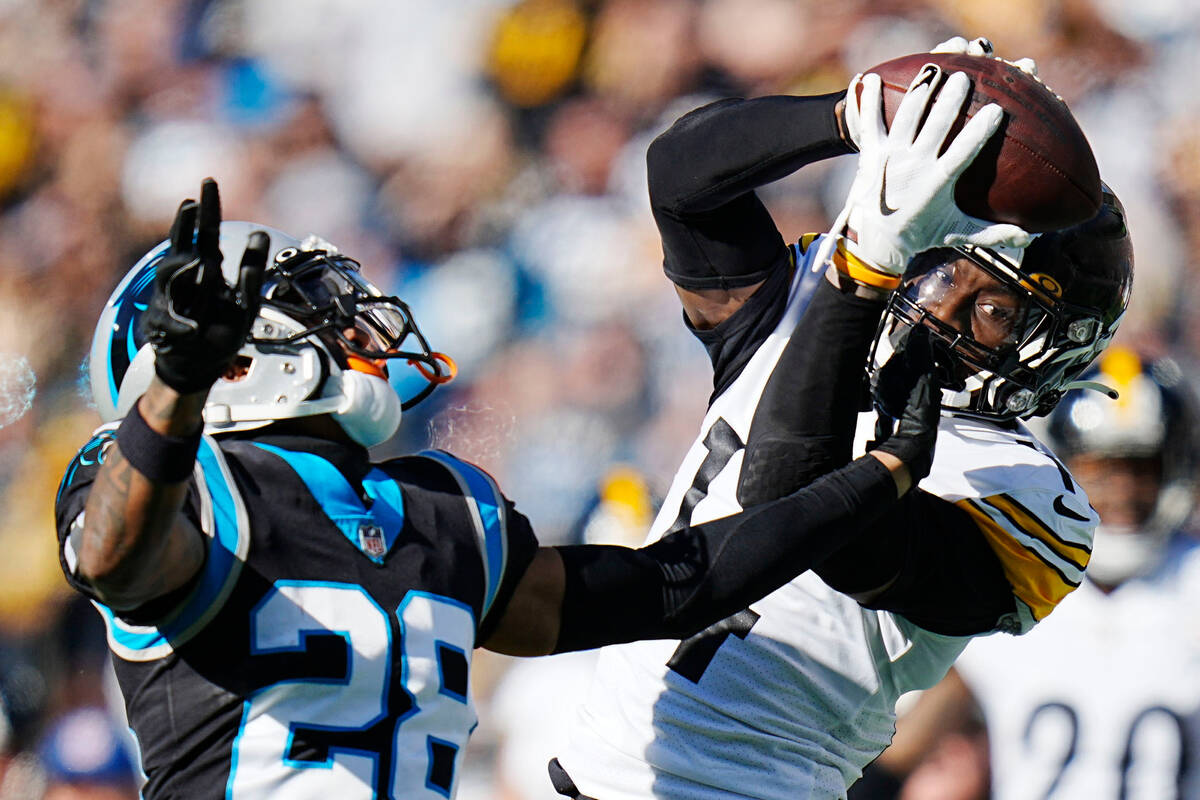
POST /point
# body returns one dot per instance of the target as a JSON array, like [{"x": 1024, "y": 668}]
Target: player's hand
[
  {"x": 902, "y": 198},
  {"x": 908, "y": 396},
  {"x": 982, "y": 46},
  {"x": 195, "y": 320}
]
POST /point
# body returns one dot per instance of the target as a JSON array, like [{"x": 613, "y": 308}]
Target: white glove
[
  {"x": 982, "y": 47},
  {"x": 957, "y": 44},
  {"x": 902, "y": 198}
]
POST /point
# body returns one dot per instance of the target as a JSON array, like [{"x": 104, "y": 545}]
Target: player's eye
[
  {"x": 995, "y": 321},
  {"x": 932, "y": 287}
]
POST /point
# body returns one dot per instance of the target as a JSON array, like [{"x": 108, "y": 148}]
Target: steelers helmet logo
[{"x": 1047, "y": 284}]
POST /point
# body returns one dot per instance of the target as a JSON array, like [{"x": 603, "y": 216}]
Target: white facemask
[
  {"x": 1121, "y": 552},
  {"x": 371, "y": 412}
]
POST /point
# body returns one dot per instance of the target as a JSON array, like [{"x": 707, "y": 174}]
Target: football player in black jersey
[{"x": 290, "y": 619}]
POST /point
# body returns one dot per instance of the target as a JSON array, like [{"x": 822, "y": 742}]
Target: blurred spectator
[
  {"x": 535, "y": 50},
  {"x": 84, "y": 758},
  {"x": 532, "y": 705}
]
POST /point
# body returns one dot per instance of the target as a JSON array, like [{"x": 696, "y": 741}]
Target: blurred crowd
[{"x": 484, "y": 160}]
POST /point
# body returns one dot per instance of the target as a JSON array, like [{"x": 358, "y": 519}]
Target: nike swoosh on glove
[{"x": 902, "y": 199}]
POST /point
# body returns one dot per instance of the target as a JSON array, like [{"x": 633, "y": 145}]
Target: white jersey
[
  {"x": 797, "y": 694},
  {"x": 1103, "y": 701}
]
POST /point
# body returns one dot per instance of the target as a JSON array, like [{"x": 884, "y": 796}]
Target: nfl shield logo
[{"x": 370, "y": 539}]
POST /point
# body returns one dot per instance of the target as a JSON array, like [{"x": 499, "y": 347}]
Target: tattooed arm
[{"x": 134, "y": 544}]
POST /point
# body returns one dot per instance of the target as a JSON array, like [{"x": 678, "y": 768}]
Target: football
[{"x": 1038, "y": 170}]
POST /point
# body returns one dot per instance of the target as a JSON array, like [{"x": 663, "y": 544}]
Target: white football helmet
[
  {"x": 1155, "y": 418},
  {"x": 297, "y": 361}
]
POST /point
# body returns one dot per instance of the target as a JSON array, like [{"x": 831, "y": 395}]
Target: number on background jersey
[
  {"x": 1047, "y": 711},
  {"x": 340, "y": 730},
  {"x": 1144, "y": 751}
]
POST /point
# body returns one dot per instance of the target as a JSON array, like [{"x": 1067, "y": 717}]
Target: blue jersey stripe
[
  {"x": 388, "y": 509},
  {"x": 341, "y": 502},
  {"x": 490, "y": 503}
]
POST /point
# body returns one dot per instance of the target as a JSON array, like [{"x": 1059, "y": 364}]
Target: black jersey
[{"x": 324, "y": 649}]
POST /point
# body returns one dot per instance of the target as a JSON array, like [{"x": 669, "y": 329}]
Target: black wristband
[{"x": 162, "y": 459}]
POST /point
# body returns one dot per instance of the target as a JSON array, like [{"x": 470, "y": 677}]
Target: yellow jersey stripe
[
  {"x": 1027, "y": 522},
  {"x": 1035, "y": 581}
]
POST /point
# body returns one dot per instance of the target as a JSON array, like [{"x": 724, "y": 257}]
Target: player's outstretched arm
[
  {"x": 585, "y": 596},
  {"x": 132, "y": 545}
]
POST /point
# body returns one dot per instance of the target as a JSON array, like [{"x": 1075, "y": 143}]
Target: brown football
[{"x": 1038, "y": 170}]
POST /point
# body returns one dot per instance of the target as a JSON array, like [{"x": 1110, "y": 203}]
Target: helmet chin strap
[
  {"x": 370, "y": 409},
  {"x": 1095, "y": 386}
]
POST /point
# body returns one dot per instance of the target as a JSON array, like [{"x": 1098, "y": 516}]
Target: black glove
[
  {"x": 916, "y": 374},
  {"x": 195, "y": 321}
]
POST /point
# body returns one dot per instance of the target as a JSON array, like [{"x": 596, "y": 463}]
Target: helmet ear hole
[{"x": 238, "y": 370}]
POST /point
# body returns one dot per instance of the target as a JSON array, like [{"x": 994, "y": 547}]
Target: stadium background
[{"x": 484, "y": 159}]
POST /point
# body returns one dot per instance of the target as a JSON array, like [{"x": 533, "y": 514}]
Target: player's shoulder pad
[
  {"x": 488, "y": 510},
  {"x": 1029, "y": 508}
]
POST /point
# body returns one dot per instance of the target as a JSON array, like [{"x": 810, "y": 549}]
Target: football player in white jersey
[
  {"x": 794, "y": 695},
  {"x": 1103, "y": 701}
]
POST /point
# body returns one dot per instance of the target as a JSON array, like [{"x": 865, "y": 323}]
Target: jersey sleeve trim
[
  {"x": 486, "y": 506},
  {"x": 224, "y": 519},
  {"x": 89, "y": 455},
  {"x": 1075, "y": 554},
  {"x": 1040, "y": 577}
]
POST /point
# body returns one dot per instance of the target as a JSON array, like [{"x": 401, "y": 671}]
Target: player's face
[
  {"x": 965, "y": 297},
  {"x": 361, "y": 338},
  {"x": 1122, "y": 490}
]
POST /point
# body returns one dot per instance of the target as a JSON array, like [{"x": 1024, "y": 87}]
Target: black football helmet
[{"x": 1075, "y": 283}]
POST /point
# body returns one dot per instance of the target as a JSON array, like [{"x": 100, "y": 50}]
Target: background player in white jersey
[
  {"x": 794, "y": 695},
  {"x": 291, "y": 619},
  {"x": 1103, "y": 701}
]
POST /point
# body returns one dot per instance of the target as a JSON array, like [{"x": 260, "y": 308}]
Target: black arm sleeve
[
  {"x": 696, "y": 576},
  {"x": 804, "y": 424},
  {"x": 944, "y": 575},
  {"x": 716, "y": 233}
]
